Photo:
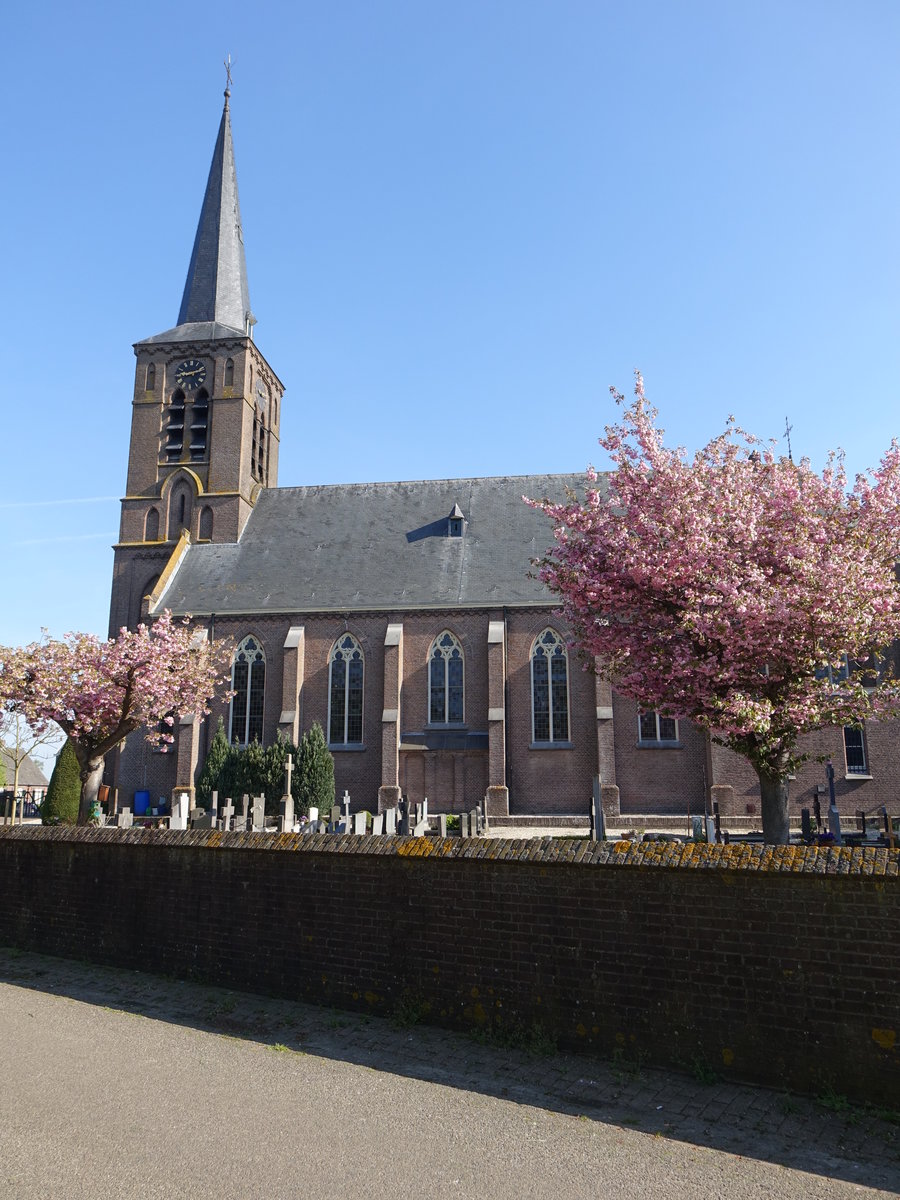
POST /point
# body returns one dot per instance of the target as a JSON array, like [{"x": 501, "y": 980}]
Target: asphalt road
[{"x": 114, "y": 1084}]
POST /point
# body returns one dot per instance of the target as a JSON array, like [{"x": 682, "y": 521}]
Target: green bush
[
  {"x": 235, "y": 771},
  {"x": 60, "y": 805},
  {"x": 208, "y": 781},
  {"x": 315, "y": 773}
]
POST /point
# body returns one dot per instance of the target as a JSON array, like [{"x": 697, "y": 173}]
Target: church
[{"x": 402, "y": 617}]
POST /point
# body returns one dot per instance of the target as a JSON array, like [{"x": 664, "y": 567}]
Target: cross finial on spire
[
  {"x": 227, "y": 66},
  {"x": 787, "y": 434}
]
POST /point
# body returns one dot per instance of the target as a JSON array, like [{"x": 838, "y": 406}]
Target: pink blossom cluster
[
  {"x": 100, "y": 691},
  {"x": 723, "y": 587}
]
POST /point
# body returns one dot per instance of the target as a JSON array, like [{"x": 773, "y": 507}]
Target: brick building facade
[{"x": 400, "y": 616}]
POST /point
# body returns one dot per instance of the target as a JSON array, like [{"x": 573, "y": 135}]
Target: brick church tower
[{"x": 205, "y": 412}]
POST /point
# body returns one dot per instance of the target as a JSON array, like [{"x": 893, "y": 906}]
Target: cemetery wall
[{"x": 774, "y": 964}]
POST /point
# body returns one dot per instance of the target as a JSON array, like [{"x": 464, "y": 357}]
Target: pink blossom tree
[
  {"x": 98, "y": 692},
  {"x": 733, "y": 587}
]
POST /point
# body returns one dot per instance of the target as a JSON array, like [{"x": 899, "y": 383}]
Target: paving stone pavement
[{"x": 824, "y": 1136}]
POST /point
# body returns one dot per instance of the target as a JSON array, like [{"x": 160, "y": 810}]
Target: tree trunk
[
  {"x": 91, "y": 776},
  {"x": 773, "y": 790}
]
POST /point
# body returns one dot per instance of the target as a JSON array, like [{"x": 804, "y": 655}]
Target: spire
[{"x": 216, "y": 287}]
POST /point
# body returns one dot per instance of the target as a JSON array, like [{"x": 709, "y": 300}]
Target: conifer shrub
[
  {"x": 208, "y": 781},
  {"x": 315, "y": 773},
  {"x": 60, "y": 805}
]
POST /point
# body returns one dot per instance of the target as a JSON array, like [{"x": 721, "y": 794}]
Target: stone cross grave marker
[
  {"x": 346, "y": 804},
  {"x": 286, "y": 818},
  {"x": 227, "y": 814}
]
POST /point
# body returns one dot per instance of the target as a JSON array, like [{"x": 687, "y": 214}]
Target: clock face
[
  {"x": 189, "y": 375},
  {"x": 262, "y": 393}
]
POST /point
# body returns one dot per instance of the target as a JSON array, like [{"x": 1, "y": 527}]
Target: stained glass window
[
  {"x": 549, "y": 688},
  {"x": 248, "y": 682},
  {"x": 446, "y": 681},
  {"x": 345, "y": 692}
]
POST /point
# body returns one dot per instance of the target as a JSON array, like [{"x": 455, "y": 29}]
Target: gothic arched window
[
  {"x": 446, "y": 680},
  {"x": 248, "y": 682},
  {"x": 549, "y": 688},
  {"x": 150, "y": 382},
  {"x": 345, "y": 692},
  {"x": 206, "y": 524},
  {"x": 199, "y": 425},
  {"x": 151, "y": 525},
  {"x": 229, "y": 373}
]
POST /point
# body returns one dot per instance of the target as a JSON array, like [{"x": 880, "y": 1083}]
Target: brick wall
[{"x": 779, "y": 965}]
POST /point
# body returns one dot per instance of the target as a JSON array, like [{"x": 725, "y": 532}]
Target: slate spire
[{"x": 216, "y": 287}]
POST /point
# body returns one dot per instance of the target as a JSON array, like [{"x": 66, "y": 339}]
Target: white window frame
[{"x": 656, "y": 741}]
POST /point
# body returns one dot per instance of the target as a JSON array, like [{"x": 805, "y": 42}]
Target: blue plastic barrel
[{"x": 141, "y": 803}]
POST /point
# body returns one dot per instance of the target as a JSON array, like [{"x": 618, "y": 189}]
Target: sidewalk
[{"x": 825, "y": 1137}]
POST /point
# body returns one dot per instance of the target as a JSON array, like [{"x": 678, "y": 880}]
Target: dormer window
[{"x": 455, "y": 522}]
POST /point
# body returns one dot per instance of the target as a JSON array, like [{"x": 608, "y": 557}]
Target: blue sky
[{"x": 463, "y": 223}]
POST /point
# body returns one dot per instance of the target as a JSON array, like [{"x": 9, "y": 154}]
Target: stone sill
[
  {"x": 659, "y": 745},
  {"x": 346, "y": 747},
  {"x": 552, "y": 746}
]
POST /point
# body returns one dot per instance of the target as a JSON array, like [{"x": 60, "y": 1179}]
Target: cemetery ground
[{"x": 119, "y": 1084}]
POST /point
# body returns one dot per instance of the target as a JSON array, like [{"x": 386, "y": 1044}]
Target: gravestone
[
  {"x": 259, "y": 814},
  {"x": 403, "y": 824},
  {"x": 419, "y": 829},
  {"x": 359, "y": 824},
  {"x": 313, "y": 815},
  {"x": 464, "y": 825},
  {"x": 346, "y": 806},
  {"x": 378, "y": 825},
  {"x": 475, "y": 829},
  {"x": 442, "y": 825},
  {"x": 286, "y": 817},
  {"x": 598, "y": 821},
  {"x": 214, "y": 805},
  {"x": 710, "y": 828},
  {"x": 201, "y": 819},
  {"x": 245, "y": 812},
  {"x": 834, "y": 817},
  {"x": 179, "y": 817},
  {"x": 335, "y": 814},
  {"x": 805, "y": 825},
  {"x": 126, "y": 819},
  {"x": 390, "y": 821},
  {"x": 226, "y": 815}
]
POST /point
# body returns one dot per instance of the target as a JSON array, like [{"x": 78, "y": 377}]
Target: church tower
[{"x": 205, "y": 411}]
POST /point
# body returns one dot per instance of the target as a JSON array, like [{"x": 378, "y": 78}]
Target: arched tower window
[
  {"x": 258, "y": 452},
  {"x": 175, "y": 427},
  {"x": 151, "y": 525},
  {"x": 199, "y": 425},
  {"x": 229, "y": 373},
  {"x": 345, "y": 692},
  {"x": 248, "y": 682},
  {"x": 179, "y": 510},
  {"x": 150, "y": 382},
  {"x": 446, "y": 680},
  {"x": 206, "y": 524},
  {"x": 549, "y": 688}
]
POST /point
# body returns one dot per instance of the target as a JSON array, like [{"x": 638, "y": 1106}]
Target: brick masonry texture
[{"x": 777, "y": 964}]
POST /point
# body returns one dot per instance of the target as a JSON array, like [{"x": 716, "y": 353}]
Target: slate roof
[
  {"x": 216, "y": 300},
  {"x": 364, "y": 546}
]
